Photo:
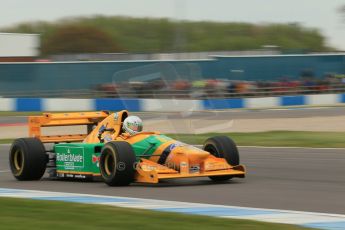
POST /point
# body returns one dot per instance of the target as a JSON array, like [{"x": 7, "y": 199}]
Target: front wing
[{"x": 151, "y": 172}]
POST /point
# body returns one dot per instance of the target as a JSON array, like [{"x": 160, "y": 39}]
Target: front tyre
[
  {"x": 117, "y": 163},
  {"x": 222, "y": 147},
  {"x": 28, "y": 159}
]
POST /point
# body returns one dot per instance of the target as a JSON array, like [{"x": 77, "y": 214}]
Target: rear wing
[{"x": 90, "y": 119}]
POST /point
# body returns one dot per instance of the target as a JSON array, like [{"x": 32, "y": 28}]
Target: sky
[{"x": 319, "y": 14}]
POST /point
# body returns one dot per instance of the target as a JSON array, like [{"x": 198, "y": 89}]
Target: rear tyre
[
  {"x": 117, "y": 163},
  {"x": 222, "y": 147},
  {"x": 28, "y": 159}
]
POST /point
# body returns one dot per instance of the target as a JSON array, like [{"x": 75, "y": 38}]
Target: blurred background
[
  {"x": 172, "y": 49},
  {"x": 267, "y": 73}
]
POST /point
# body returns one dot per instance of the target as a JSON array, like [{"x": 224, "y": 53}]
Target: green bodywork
[
  {"x": 82, "y": 158},
  {"x": 78, "y": 157},
  {"x": 146, "y": 147}
]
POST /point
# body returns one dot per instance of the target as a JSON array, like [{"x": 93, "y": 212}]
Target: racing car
[{"x": 106, "y": 151}]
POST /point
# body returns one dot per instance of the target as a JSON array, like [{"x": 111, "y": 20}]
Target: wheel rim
[
  {"x": 18, "y": 160},
  {"x": 109, "y": 163}
]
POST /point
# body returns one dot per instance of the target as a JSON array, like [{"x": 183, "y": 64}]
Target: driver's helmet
[{"x": 132, "y": 125}]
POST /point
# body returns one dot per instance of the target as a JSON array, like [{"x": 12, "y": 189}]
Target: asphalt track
[
  {"x": 222, "y": 115},
  {"x": 280, "y": 178}
]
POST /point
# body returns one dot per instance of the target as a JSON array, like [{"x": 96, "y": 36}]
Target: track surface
[{"x": 281, "y": 178}]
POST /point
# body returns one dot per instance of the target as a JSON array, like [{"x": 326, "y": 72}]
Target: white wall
[
  {"x": 171, "y": 105},
  {"x": 322, "y": 99},
  {"x": 63, "y": 104},
  {"x": 7, "y": 104},
  {"x": 263, "y": 102},
  {"x": 19, "y": 45}
]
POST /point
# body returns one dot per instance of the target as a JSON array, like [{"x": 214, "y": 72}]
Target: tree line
[{"x": 100, "y": 34}]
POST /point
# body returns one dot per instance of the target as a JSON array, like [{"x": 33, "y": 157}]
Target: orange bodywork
[
  {"x": 178, "y": 164},
  {"x": 36, "y": 123}
]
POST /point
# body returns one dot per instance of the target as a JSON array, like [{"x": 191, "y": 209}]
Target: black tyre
[
  {"x": 117, "y": 163},
  {"x": 28, "y": 159},
  {"x": 222, "y": 147}
]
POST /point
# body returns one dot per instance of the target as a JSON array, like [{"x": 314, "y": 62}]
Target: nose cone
[
  {"x": 188, "y": 154},
  {"x": 195, "y": 155}
]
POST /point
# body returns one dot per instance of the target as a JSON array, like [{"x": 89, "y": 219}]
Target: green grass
[
  {"x": 10, "y": 113},
  {"x": 269, "y": 139},
  {"x": 5, "y": 141},
  {"x": 274, "y": 138},
  {"x": 34, "y": 214}
]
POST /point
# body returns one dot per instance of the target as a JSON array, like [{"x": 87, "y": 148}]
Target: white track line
[{"x": 309, "y": 219}]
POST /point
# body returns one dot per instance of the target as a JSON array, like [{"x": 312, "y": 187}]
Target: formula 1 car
[{"x": 118, "y": 158}]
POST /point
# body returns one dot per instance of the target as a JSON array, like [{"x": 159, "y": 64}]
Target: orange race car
[{"x": 116, "y": 149}]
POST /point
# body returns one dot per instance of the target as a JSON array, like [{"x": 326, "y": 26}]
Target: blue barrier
[
  {"x": 233, "y": 103},
  {"x": 117, "y": 104},
  {"x": 292, "y": 100},
  {"x": 342, "y": 98},
  {"x": 28, "y": 104},
  {"x": 137, "y": 105}
]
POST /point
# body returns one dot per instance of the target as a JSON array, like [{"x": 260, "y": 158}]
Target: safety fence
[
  {"x": 85, "y": 75},
  {"x": 151, "y": 91}
]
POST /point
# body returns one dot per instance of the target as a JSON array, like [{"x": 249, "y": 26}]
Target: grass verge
[
  {"x": 10, "y": 113},
  {"x": 5, "y": 141},
  {"x": 274, "y": 138},
  {"x": 269, "y": 139},
  {"x": 33, "y": 214}
]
